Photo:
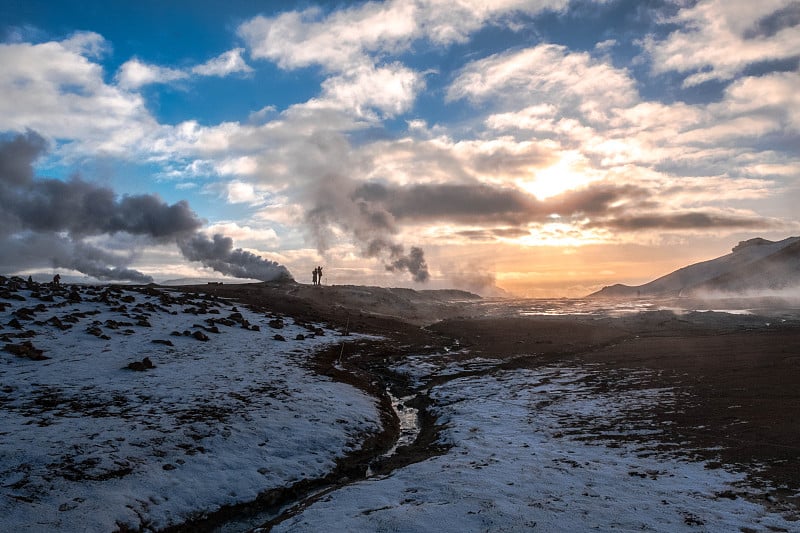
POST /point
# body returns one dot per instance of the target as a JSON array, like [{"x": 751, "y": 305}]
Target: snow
[
  {"x": 88, "y": 444},
  {"x": 532, "y": 449}
]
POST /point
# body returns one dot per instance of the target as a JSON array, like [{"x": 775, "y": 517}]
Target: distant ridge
[{"x": 753, "y": 266}]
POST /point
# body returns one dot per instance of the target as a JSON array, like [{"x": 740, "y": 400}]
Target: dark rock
[
  {"x": 14, "y": 323},
  {"x": 199, "y": 335},
  {"x": 141, "y": 366},
  {"x": 276, "y": 323},
  {"x": 278, "y": 337},
  {"x": 176, "y": 333},
  {"x": 255, "y": 327},
  {"x": 164, "y": 342},
  {"x": 300, "y": 337},
  {"x": 143, "y": 322},
  {"x": 26, "y": 349}
]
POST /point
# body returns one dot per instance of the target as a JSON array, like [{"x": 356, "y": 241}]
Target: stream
[{"x": 262, "y": 519}]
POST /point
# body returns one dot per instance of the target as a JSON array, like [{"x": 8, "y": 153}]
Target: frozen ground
[
  {"x": 87, "y": 444},
  {"x": 547, "y": 449}
]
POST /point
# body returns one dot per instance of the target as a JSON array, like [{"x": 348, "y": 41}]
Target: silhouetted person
[
  {"x": 30, "y": 282},
  {"x": 319, "y": 274},
  {"x": 57, "y": 280},
  {"x": 314, "y": 276}
]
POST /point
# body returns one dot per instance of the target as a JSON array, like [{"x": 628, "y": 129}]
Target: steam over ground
[{"x": 51, "y": 223}]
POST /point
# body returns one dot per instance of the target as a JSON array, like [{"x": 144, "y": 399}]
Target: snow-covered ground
[
  {"x": 87, "y": 444},
  {"x": 548, "y": 449}
]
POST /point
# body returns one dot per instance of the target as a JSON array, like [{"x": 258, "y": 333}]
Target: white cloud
[
  {"x": 719, "y": 38},
  {"x": 545, "y": 74},
  {"x": 240, "y": 192},
  {"x": 224, "y": 64},
  {"x": 134, "y": 74},
  {"x": 55, "y": 90},
  {"x": 390, "y": 89},
  {"x": 339, "y": 39}
]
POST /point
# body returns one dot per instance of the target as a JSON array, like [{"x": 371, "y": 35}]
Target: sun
[{"x": 570, "y": 172}]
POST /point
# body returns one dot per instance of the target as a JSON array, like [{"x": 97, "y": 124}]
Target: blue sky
[{"x": 546, "y": 147}]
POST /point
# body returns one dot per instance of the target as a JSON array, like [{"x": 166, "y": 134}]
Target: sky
[{"x": 539, "y": 147}]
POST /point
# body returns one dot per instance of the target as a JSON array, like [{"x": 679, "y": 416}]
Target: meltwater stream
[{"x": 409, "y": 422}]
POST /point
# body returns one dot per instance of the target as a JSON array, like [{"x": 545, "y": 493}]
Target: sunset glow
[{"x": 389, "y": 140}]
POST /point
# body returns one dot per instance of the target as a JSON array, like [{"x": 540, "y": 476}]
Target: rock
[
  {"x": 26, "y": 349},
  {"x": 300, "y": 337},
  {"x": 14, "y": 323},
  {"x": 94, "y": 330},
  {"x": 255, "y": 327},
  {"x": 276, "y": 323},
  {"x": 162, "y": 341},
  {"x": 278, "y": 337},
  {"x": 199, "y": 335},
  {"x": 141, "y": 366},
  {"x": 143, "y": 322}
]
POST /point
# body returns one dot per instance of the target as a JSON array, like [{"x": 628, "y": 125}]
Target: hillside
[{"x": 753, "y": 266}]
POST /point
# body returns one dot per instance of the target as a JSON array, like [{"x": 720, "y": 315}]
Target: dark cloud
[
  {"x": 680, "y": 221},
  {"x": 48, "y": 218},
  {"x": 481, "y": 203},
  {"x": 786, "y": 17},
  {"x": 493, "y": 233},
  {"x": 218, "y": 253}
]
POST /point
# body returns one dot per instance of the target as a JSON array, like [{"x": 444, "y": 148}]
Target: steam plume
[
  {"x": 220, "y": 255},
  {"x": 336, "y": 202},
  {"x": 48, "y": 221}
]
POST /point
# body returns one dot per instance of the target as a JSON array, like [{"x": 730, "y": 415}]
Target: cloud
[
  {"x": 683, "y": 221},
  {"x": 718, "y": 39},
  {"x": 390, "y": 89},
  {"x": 134, "y": 74},
  {"x": 227, "y": 63},
  {"x": 545, "y": 74},
  {"x": 54, "y": 89},
  {"x": 344, "y": 37}
]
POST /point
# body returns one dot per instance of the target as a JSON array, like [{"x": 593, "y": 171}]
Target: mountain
[{"x": 753, "y": 266}]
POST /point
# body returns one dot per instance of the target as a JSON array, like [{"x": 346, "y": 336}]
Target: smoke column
[{"x": 48, "y": 221}]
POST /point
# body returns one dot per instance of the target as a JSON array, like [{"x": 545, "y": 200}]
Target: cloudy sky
[{"x": 547, "y": 147}]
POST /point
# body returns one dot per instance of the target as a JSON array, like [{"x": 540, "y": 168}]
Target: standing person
[
  {"x": 319, "y": 274},
  {"x": 57, "y": 280},
  {"x": 314, "y": 276}
]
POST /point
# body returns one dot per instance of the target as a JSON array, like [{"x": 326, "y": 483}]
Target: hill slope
[{"x": 755, "y": 265}]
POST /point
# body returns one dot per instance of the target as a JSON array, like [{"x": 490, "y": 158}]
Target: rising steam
[
  {"x": 336, "y": 203},
  {"x": 47, "y": 222},
  {"x": 220, "y": 255}
]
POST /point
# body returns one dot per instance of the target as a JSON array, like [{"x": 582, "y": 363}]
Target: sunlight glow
[{"x": 570, "y": 172}]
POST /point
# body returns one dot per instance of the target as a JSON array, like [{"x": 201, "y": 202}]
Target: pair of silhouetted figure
[{"x": 316, "y": 276}]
